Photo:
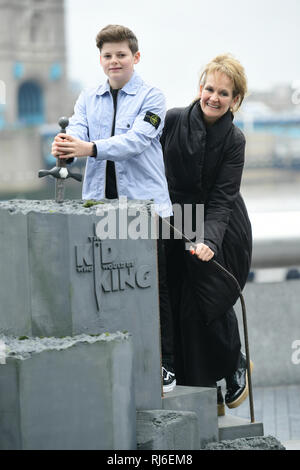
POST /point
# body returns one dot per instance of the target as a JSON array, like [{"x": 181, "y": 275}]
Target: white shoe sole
[{"x": 170, "y": 387}]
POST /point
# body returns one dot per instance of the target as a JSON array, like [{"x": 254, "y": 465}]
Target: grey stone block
[
  {"x": 14, "y": 278},
  {"x": 273, "y": 326},
  {"x": 167, "y": 430},
  {"x": 234, "y": 427},
  {"x": 71, "y": 393},
  {"x": 202, "y": 401},
  {"x": 247, "y": 443},
  {"x": 61, "y": 279}
]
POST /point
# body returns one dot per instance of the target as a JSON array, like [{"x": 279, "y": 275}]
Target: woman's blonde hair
[{"x": 227, "y": 64}]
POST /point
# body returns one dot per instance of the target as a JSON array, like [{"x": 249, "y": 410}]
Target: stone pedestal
[
  {"x": 61, "y": 278},
  {"x": 200, "y": 400},
  {"x": 234, "y": 427},
  {"x": 163, "y": 429},
  {"x": 72, "y": 393}
]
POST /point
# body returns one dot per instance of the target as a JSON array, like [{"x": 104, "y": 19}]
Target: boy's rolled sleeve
[{"x": 147, "y": 125}]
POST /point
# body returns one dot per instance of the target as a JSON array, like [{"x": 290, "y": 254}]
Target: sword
[
  {"x": 243, "y": 305},
  {"x": 61, "y": 163},
  {"x": 60, "y": 172}
]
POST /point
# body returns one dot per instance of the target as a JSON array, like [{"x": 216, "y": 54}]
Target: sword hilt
[
  {"x": 60, "y": 171},
  {"x": 63, "y": 122}
]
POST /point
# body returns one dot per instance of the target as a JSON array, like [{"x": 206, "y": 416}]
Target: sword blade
[
  {"x": 182, "y": 235},
  {"x": 59, "y": 190},
  {"x": 60, "y": 183}
]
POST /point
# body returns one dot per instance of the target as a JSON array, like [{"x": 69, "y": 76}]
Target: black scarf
[{"x": 193, "y": 153}]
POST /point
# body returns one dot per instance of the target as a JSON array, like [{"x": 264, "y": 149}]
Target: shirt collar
[
  {"x": 133, "y": 85},
  {"x": 104, "y": 88},
  {"x": 130, "y": 88}
]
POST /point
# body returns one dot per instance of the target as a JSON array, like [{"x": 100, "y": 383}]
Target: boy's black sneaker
[{"x": 168, "y": 378}]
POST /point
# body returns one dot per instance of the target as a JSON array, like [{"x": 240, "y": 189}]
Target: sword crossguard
[{"x": 60, "y": 173}]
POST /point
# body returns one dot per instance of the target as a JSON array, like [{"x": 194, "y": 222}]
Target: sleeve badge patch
[{"x": 152, "y": 119}]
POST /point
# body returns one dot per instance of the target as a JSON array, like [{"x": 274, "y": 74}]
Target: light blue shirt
[{"x": 135, "y": 148}]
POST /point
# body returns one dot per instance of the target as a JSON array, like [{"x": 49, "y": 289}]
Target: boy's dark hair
[{"x": 117, "y": 33}]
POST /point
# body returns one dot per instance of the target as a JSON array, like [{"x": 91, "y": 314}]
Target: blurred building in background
[
  {"x": 33, "y": 66},
  {"x": 271, "y": 123},
  {"x": 33, "y": 70}
]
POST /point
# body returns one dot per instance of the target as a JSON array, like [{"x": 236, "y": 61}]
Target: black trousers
[
  {"x": 166, "y": 316},
  {"x": 203, "y": 354}
]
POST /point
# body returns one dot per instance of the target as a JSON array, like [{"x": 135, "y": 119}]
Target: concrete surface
[
  {"x": 247, "y": 443},
  {"x": 278, "y": 408},
  {"x": 292, "y": 445},
  {"x": 202, "y": 401},
  {"x": 274, "y": 331},
  {"x": 171, "y": 430},
  {"x": 233, "y": 427},
  {"x": 72, "y": 393}
]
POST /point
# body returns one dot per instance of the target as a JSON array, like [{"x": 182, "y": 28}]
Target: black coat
[{"x": 204, "y": 166}]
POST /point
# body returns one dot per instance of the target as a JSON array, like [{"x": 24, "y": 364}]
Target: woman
[{"x": 204, "y": 159}]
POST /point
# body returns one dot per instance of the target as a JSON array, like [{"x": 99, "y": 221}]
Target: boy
[{"x": 118, "y": 126}]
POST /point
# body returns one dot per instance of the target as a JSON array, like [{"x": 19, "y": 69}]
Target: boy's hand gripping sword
[{"x": 60, "y": 172}]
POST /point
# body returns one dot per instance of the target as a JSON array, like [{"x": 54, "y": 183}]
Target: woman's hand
[
  {"x": 66, "y": 146},
  {"x": 203, "y": 252}
]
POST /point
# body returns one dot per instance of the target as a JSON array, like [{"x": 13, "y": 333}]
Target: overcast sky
[{"x": 177, "y": 37}]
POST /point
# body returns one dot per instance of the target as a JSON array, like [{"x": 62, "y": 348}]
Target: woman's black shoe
[
  {"x": 220, "y": 401},
  {"x": 237, "y": 384}
]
